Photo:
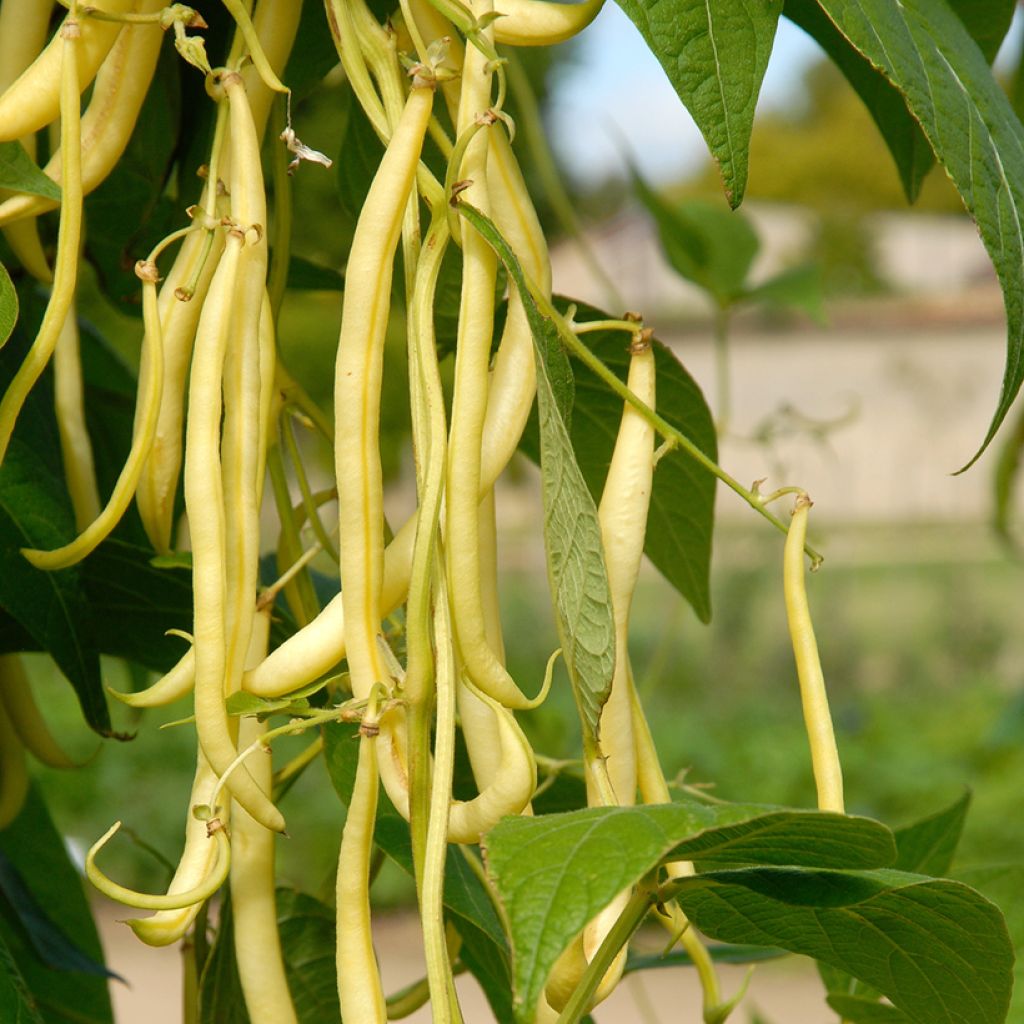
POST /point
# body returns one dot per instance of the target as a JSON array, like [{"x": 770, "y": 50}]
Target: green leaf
[
  {"x": 927, "y": 846},
  {"x": 572, "y": 534},
  {"x": 37, "y": 852},
  {"x": 1003, "y": 885},
  {"x": 305, "y": 275},
  {"x": 307, "y": 929},
  {"x": 360, "y": 154},
  {"x": 50, "y": 606},
  {"x": 720, "y": 954},
  {"x": 8, "y": 306},
  {"x": 220, "y": 990},
  {"x": 129, "y": 213},
  {"x": 16, "y": 1003},
  {"x": 715, "y": 53},
  {"x": 796, "y": 288},
  {"x": 554, "y": 873},
  {"x": 860, "y": 1010},
  {"x": 312, "y": 56},
  {"x": 924, "y": 49},
  {"x": 707, "y": 245},
  {"x": 242, "y": 703},
  {"x": 134, "y": 604},
  {"x": 45, "y": 936},
  {"x": 936, "y": 949},
  {"x": 19, "y": 173},
  {"x": 682, "y": 510}
]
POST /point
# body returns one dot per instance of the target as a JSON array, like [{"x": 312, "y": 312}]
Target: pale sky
[{"x": 616, "y": 88}]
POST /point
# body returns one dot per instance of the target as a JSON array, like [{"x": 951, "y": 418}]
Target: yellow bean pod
[
  {"x": 108, "y": 122},
  {"x": 541, "y": 22},
  {"x": 33, "y": 99},
  {"x": 65, "y": 45},
  {"x": 25, "y": 717},
  {"x": 253, "y": 902},
  {"x": 198, "y": 859},
  {"x": 828, "y": 774},
  {"x": 357, "y": 390},
  {"x": 146, "y": 412}
]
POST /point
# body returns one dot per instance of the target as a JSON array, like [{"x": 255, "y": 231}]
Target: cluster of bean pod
[{"x": 214, "y": 405}]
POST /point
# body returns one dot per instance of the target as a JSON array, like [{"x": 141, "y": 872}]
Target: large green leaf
[
  {"x": 220, "y": 989},
  {"x": 929, "y": 844},
  {"x": 987, "y": 22},
  {"x": 50, "y": 606},
  {"x": 307, "y": 929},
  {"x": 925, "y": 846},
  {"x": 8, "y": 306},
  {"x": 37, "y": 852},
  {"x": 1003, "y": 885},
  {"x": 937, "y": 949},
  {"x": 16, "y": 1003},
  {"x": 554, "y": 873},
  {"x": 682, "y": 510},
  {"x": 19, "y": 173},
  {"x": 572, "y": 534},
  {"x": 134, "y": 604},
  {"x": 715, "y": 53},
  {"x": 861, "y": 1010},
  {"x": 925, "y": 50}
]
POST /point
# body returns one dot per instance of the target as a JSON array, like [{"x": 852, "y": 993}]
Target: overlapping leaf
[
  {"x": 572, "y": 534},
  {"x": 19, "y": 173},
  {"x": 8, "y": 306},
  {"x": 715, "y": 53},
  {"x": 554, "y": 873},
  {"x": 937, "y": 949},
  {"x": 36, "y": 851},
  {"x": 923, "y": 48}
]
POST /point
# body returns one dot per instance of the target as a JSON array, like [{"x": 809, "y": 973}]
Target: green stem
[
  {"x": 669, "y": 432},
  {"x": 299, "y": 591},
  {"x": 308, "y": 499},
  {"x": 629, "y": 920},
  {"x": 408, "y": 1000}
]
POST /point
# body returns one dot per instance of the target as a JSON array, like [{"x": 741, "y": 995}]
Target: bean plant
[{"x": 167, "y": 510}]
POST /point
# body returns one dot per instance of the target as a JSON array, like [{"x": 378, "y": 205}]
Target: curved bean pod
[
  {"x": 198, "y": 859},
  {"x": 168, "y": 901},
  {"x": 25, "y": 717},
  {"x": 121, "y": 85},
  {"x": 13, "y": 771},
  {"x": 34, "y": 100},
  {"x": 146, "y": 412},
  {"x": 65, "y": 44},
  {"x": 542, "y": 23}
]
